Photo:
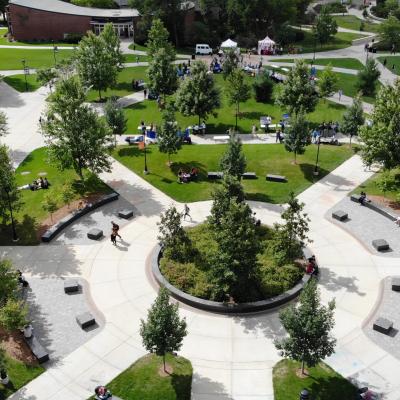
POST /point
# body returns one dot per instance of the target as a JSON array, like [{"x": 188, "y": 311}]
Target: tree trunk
[
  {"x": 295, "y": 157},
  {"x": 302, "y": 367},
  {"x": 199, "y": 120},
  {"x": 163, "y": 358},
  {"x": 237, "y": 113},
  {"x": 99, "y": 94},
  {"x": 351, "y": 136}
]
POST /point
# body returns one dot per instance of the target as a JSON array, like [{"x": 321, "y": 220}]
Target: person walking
[
  {"x": 115, "y": 229},
  {"x": 113, "y": 238},
  {"x": 393, "y": 49},
  {"x": 145, "y": 93},
  {"x": 340, "y": 94},
  {"x": 385, "y": 62},
  {"x": 186, "y": 211}
]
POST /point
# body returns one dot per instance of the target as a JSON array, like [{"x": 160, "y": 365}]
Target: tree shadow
[
  {"x": 182, "y": 385},
  {"x": 308, "y": 172},
  {"x": 263, "y": 197},
  {"x": 203, "y": 387},
  {"x": 132, "y": 151},
  {"x": 332, "y": 282},
  {"x": 26, "y": 231},
  {"x": 331, "y": 387}
]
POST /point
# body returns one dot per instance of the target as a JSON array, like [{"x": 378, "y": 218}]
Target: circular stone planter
[{"x": 219, "y": 307}]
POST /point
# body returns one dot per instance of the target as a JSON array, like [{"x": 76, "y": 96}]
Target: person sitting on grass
[{"x": 193, "y": 173}]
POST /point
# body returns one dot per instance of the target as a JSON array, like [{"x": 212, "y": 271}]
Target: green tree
[
  {"x": 50, "y": 204},
  {"x": 77, "y": 137},
  {"x": 172, "y": 237},
  {"x": 309, "y": 326},
  {"x": 325, "y": 26},
  {"x": 115, "y": 117},
  {"x": 3, "y": 124},
  {"x": 233, "y": 161},
  {"x": 389, "y": 31},
  {"x": 297, "y": 134},
  {"x": 263, "y": 88},
  {"x": 162, "y": 75},
  {"x": 328, "y": 82},
  {"x": 197, "y": 94},
  {"x": 297, "y": 92},
  {"x": 46, "y": 76},
  {"x": 231, "y": 62},
  {"x": 382, "y": 139},
  {"x": 168, "y": 140},
  {"x": 237, "y": 90},
  {"x": 13, "y": 315},
  {"x": 98, "y": 59},
  {"x": 290, "y": 238},
  {"x": 8, "y": 281},
  {"x": 387, "y": 182},
  {"x": 353, "y": 118},
  {"x": 163, "y": 331},
  {"x": 94, "y": 3},
  {"x": 9, "y": 194},
  {"x": 158, "y": 39},
  {"x": 67, "y": 194},
  {"x": 367, "y": 78},
  {"x": 234, "y": 264}
]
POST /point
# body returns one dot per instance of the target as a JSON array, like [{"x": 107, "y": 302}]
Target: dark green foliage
[
  {"x": 8, "y": 281},
  {"x": 115, "y": 116},
  {"x": 231, "y": 62},
  {"x": 158, "y": 39},
  {"x": 353, "y": 118},
  {"x": 297, "y": 134},
  {"x": 233, "y": 161},
  {"x": 168, "y": 140},
  {"x": 325, "y": 27},
  {"x": 367, "y": 78},
  {"x": 309, "y": 328},
  {"x": 94, "y": 3},
  {"x": 263, "y": 88}
]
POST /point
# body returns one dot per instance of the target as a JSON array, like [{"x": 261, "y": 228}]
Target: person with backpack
[{"x": 115, "y": 229}]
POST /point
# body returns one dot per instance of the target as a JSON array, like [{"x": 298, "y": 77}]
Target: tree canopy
[
  {"x": 389, "y": 31},
  {"x": 328, "y": 82},
  {"x": 297, "y": 134},
  {"x": 353, "y": 118},
  {"x": 367, "y": 78},
  {"x": 233, "y": 161},
  {"x": 325, "y": 26}
]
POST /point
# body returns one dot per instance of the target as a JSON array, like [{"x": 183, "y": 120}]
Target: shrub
[
  {"x": 263, "y": 88},
  {"x": 73, "y": 37}
]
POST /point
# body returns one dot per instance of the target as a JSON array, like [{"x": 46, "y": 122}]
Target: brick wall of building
[{"x": 29, "y": 24}]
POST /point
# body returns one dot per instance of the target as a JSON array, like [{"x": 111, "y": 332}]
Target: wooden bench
[
  {"x": 276, "y": 178},
  {"x": 37, "y": 349},
  {"x": 215, "y": 175},
  {"x": 249, "y": 175},
  {"x": 382, "y": 325}
]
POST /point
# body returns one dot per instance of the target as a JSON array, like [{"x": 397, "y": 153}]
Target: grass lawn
[
  {"x": 18, "y": 82},
  {"x": 350, "y": 63},
  {"x": 392, "y": 60},
  {"x": 323, "y": 383},
  {"x": 124, "y": 83},
  {"x": 11, "y": 58},
  {"x": 139, "y": 47},
  {"x": 142, "y": 380},
  {"x": 20, "y": 374},
  {"x": 5, "y": 42},
  {"x": 133, "y": 58},
  {"x": 340, "y": 41},
  {"x": 261, "y": 158},
  {"x": 352, "y": 22},
  {"x": 32, "y": 214},
  {"x": 250, "y": 113}
]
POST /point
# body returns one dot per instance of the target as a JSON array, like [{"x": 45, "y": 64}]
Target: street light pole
[
  {"x": 316, "y": 172},
  {"x": 14, "y": 232},
  {"x": 26, "y": 82}
]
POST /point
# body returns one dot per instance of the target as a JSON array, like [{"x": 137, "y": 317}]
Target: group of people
[
  {"x": 183, "y": 70},
  {"x": 185, "y": 177},
  {"x": 114, "y": 233},
  {"x": 312, "y": 266},
  {"x": 40, "y": 183},
  {"x": 102, "y": 393}
]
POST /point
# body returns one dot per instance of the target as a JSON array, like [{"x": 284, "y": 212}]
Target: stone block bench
[
  {"x": 215, "y": 175},
  {"x": 382, "y": 325},
  {"x": 53, "y": 231},
  {"x": 386, "y": 212},
  {"x": 37, "y": 349},
  {"x": 340, "y": 215},
  {"x": 249, "y": 175},
  {"x": 125, "y": 214},
  {"x": 396, "y": 284},
  {"x": 276, "y": 178},
  {"x": 380, "y": 244},
  {"x": 95, "y": 234},
  {"x": 71, "y": 286},
  {"x": 85, "y": 320}
]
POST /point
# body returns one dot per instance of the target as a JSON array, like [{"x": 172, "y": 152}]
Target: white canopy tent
[
  {"x": 229, "y": 44},
  {"x": 266, "y": 46}
]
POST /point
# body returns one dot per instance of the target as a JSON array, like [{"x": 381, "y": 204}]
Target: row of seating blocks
[
  {"x": 96, "y": 234},
  {"x": 248, "y": 175}
]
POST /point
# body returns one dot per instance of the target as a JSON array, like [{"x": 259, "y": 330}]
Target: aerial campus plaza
[{"x": 199, "y": 200}]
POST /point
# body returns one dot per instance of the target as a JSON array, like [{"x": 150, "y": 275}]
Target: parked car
[
  {"x": 136, "y": 139},
  {"x": 203, "y": 49}
]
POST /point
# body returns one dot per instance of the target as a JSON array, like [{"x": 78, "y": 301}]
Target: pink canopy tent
[{"x": 266, "y": 46}]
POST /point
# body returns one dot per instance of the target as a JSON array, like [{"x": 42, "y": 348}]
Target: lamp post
[
  {"x": 25, "y": 73},
  {"x": 316, "y": 171},
  {"x": 145, "y": 171},
  {"x": 55, "y": 51},
  {"x": 14, "y": 232}
]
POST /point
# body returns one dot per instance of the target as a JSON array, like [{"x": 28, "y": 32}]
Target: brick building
[{"x": 32, "y": 20}]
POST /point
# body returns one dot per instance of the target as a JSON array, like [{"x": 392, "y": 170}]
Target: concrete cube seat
[
  {"x": 396, "y": 284},
  {"x": 275, "y": 178},
  {"x": 95, "y": 234},
  {"x": 85, "y": 320},
  {"x": 249, "y": 175},
  {"x": 340, "y": 215},
  {"x": 71, "y": 285},
  {"x": 380, "y": 244},
  {"x": 382, "y": 325},
  {"x": 125, "y": 214}
]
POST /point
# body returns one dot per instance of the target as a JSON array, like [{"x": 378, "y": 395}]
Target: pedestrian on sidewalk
[
  {"x": 393, "y": 49},
  {"x": 186, "y": 211},
  {"x": 393, "y": 68},
  {"x": 340, "y": 94},
  {"x": 115, "y": 229},
  {"x": 385, "y": 62},
  {"x": 145, "y": 93},
  {"x": 137, "y": 59},
  {"x": 113, "y": 238}
]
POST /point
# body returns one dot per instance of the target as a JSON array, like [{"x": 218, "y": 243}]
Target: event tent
[
  {"x": 228, "y": 44},
  {"x": 265, "y": 46}
]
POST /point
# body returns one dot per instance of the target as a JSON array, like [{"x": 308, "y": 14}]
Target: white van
[{"x": 203, "y": 49}]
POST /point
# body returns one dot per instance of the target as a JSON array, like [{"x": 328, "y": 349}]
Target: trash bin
[
  {"x": 304, "y": 395},
  {"x": 193, "y": 56}
]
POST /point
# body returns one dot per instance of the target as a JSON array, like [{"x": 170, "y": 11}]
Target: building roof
[{"x": 62, "y": 7}]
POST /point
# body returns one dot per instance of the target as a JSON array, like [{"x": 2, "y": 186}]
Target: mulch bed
[{"x": 15, "y": 346}]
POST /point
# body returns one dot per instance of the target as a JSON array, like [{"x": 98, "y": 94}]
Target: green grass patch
[
  {"x": 392, "y": 61},
  {"x": 30, "y": 216},
  {"x": 323, "y": 382},
  {"x": 261, "y": 158},
  {"x": 18, "y": 82},
  {"x": 139, "y": 47},
  {"x": 354, "y": 23},
  {"x": 142, "y": 380},
  {"x": 133, "y": 58},
  {"x": 350, "y": 63},
  {"x": 12, "y": 58},
  {"x": 20, "y": 374},
  {"x": 123, "y": 86}
]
